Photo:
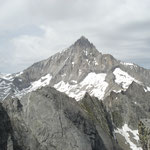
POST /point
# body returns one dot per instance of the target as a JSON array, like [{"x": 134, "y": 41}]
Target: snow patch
[
  {"x": 80, "y": 72},
  {"x": 123, "y": 78},
  {"x": 93, "y": 83},
  {"x": 5, "y": 87},
  {"x": 66, "y": 59},
  {"x": 86, "y": 52},
  {"x": 18, "y": 74},
  {"x": 96, "y": 64},
  {"x": 119, "y": 91},
  {"x": 8, "y": 77},
  {"x": 43, "y": 81},
  {"x": 88, "y": 61},
  {"x": 147, "y": 89},
  {"x": 20, "y": 80},
  {"x": 73, "y": 64},
  {"x": 63, "y": 51},
  {"x": 127, "y": 64},
  {"x": 124, "y": 131},
  {"x": 63, "y": 75},
  {"x": 73, "y": 81}
]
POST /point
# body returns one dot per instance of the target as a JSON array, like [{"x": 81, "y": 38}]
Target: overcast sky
[{"x": 32, "y": 30}]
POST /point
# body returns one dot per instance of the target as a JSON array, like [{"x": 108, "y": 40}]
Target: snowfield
[
  {"x": 93, "y": 83},
  {"x": 43, "y": 81},
  {"x": 123, "y": 78}
]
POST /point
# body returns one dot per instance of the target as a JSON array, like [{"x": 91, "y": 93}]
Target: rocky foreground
[{"x": 49, "y": 120}]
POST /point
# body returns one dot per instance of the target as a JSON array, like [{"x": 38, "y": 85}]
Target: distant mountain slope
[
  {"x": 82, "y": 69},
  {"x": 73, "y": 70}
]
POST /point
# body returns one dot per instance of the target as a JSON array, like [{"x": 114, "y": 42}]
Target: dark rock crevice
[{"x": 7, "y": 140}]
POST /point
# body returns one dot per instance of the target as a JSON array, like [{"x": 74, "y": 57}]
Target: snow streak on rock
[
  {"x": 43, "y": 81},
  {"x": 126, "y": 132},
  {"x": 123, "y": 78},
  {"x": 147, "y": 89}
]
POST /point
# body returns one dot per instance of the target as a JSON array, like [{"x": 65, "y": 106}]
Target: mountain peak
[
  {"x": 83, "y": 42},
  {"x": 83, "y": 38}
]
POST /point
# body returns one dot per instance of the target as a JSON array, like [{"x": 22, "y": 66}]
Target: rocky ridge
[
  {"x": 81, "y": 69},
  {"x": 48, "y": 120},
  {"x": 71, "y": 71}
]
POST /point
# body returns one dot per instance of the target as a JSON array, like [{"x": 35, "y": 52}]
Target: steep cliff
[{"x": 48, "y": 120}]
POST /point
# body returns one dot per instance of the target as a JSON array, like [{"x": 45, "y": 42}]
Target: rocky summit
[{"x": 77, "y": 99}]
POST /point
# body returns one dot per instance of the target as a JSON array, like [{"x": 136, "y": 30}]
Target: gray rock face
[
  {"x": 7, "y": 140},
  {"x": 127, "y": 109},
  {"x": 97, "y": 112},
  {"x": 48, "y": 120},
  {"x": 74, "y": 64},
  {"x": 6, "y": 87},
  {"x": 81, "y": 56},
  {"x": 129, "y": 106}
]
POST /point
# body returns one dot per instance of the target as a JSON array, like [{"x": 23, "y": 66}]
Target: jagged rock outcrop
[
  {"x": 126, "y": 109},
  {"x": 144, "y": 133},
  {"x": 97, "y": 112},
  {"x": 129, "y": 106},
  {"x": 48, "y": 120}
]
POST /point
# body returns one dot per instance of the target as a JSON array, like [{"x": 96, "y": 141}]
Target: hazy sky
[{"x": 32, "y": 30}]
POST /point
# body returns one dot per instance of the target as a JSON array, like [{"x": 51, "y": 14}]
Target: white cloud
[
  {"x": 28, "y": 47},
  {"x": 119, "y": 27}
]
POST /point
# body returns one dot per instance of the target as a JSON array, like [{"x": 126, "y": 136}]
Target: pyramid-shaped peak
[
  {"x": 83, "y": 38},
  {"x": 83, "y": 42}
]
